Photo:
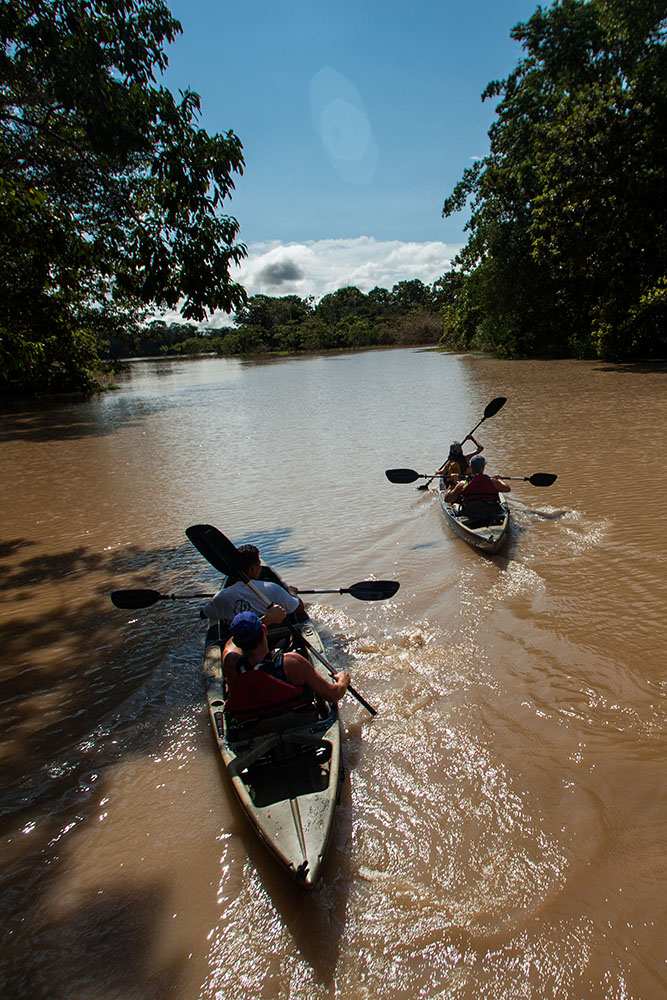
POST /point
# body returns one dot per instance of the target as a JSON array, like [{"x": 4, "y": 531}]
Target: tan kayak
[
  {"x": 486, "y": 527},
  {"x": 286, "y": 770}
]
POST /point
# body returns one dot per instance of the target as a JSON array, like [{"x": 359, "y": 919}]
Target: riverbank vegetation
[
  {"x": 111, "y": 201},
  {"x": 409, "y": 314},
  {"x": 567, "y": 247},
  {"x": 110, "y": 192}
]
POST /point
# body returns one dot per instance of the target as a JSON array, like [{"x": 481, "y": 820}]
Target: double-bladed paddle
[
  {"x": 409, "y": 476},
  {"x": 222, "y": 554},
  {"x": 366, "y": 590},
  {"x": 489, "y": 411},
  {"x": 134, "y": 599}
]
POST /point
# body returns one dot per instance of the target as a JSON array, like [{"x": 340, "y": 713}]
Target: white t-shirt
[{"x": 239, "y": 597}]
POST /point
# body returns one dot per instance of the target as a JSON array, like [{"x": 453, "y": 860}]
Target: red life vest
[
  {"x": 480, "y": 487},
  {"x": 258, "y": 693}
]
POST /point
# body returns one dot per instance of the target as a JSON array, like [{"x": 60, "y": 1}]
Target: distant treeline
[
  {"x": 112, "y": 203},
  {"x": 409, "y": 314}
]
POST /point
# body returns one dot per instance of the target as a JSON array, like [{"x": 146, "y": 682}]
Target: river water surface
[{"x": 501, "y": 833}]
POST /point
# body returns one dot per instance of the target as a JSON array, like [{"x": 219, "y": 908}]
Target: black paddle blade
[
  {"x": 373, "y": 590},
  {"x": 402, "y": 475},
  {"x": 493, "y": 407},
  {"x": 542, "y": 479},
  {"x": 215, "y": 547},
  {"x": 133, "y": 599}
]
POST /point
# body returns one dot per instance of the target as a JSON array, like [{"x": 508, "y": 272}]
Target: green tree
[
  {"x": 109, "y": 190},
  {"x": 411, "y": 294},
  {"x": 338, "y": 305},
  {"x": 567, "y": 252},
  {"x": 269, "y": 318},
  {"x": 378, "y": 302}
]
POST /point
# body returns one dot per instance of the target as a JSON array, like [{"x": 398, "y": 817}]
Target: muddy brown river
[{"x": 501, "y": 834}]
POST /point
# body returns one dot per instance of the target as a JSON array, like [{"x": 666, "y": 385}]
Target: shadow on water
[
  {"x": 426, "y": 545},
  {"x": 118, "y": 930},
  {"x": 44, "y": 421},
  {"x": 40, "y": 568},
  {"x": 60, "y": 420},
  {"x": 636, "y": 368},
  {"x": 81, "y": 689},
  {"x": 67, "y": 664},
  {"x": 11, "y": 548}
]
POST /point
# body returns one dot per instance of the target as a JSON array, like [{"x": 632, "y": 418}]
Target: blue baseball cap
[
  {"x": 477, "y": 463},
  {"x": 246, "y": 628}
]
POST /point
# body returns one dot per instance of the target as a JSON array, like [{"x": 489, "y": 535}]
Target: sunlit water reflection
[{"x": 501, "y": 829}]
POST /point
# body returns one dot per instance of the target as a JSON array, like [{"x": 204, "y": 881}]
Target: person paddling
[
  {"x": 480, "y": 487},
  {"x": 457, "y": 465},
  {"x": 248, "y": 650},
  {"x": 230, "y": 601}
]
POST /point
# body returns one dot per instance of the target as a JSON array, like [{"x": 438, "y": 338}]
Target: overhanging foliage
[
  {"x": 109, "y": 191},
  {"x": 567, "y": 252}
]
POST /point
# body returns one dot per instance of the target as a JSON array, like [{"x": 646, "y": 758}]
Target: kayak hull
[
  {"x": 285, "y": 770},
  {"x": 489, "y": 538}
]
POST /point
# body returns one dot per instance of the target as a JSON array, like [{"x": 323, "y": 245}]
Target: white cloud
[{"x": 318, "y": 267}]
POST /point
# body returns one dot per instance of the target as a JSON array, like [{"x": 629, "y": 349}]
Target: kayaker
[
  {"x": 248, "y": 650},
  {"x": 458, "y": 465},
  {"x": 480, "y": 487},
  {"x": 231, "y": 601}
]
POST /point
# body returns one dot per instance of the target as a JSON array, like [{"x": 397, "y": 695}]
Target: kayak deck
[
  {"x": 286, "y": 770},
  {"x": 489, "y": 537}
]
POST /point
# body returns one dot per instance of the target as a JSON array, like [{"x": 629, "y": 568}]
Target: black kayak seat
[{"x": 481, "y": 513}]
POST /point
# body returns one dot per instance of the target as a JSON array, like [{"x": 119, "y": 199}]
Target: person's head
[
  {"x": 248, "y": 557},
  {"x": 477, "y": 463},
  {"x": 455, "y": 450},
  {"x": 247, "y": 630}
]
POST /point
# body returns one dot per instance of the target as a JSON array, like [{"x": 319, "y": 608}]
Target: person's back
[
  {"x": 480, "y": 487},
  {"x": 247, "y": 653},
  {"x": 240, "y": 596},
  {"x": 457, "y": 465},
  {"x": 455, "y": 468},
  {"x": 480, "y": 490},
  {"x": 263, "y": 689}
]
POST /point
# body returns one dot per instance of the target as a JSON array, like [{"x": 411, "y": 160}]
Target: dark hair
[
  {"x": 455, "y": 451},
  {"x": 248, "y": 556}
]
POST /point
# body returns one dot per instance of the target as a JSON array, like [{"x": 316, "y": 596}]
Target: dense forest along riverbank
[{"x": 501, "y": 830}]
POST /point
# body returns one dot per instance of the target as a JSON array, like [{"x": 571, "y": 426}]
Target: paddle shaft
[
  {"x": 537, "y": 479},
  {"x": 367, "y": 590},
  {"x": 409, "y": 476},
  {"x": 341, "y": 590},
  {"x": 295, "y": 631},
  {"x": 494, "y": 410},
  {"x": 183, "y": 597}
]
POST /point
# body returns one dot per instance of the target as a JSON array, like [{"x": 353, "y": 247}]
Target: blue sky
[{"x": 357, "y": 119}]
